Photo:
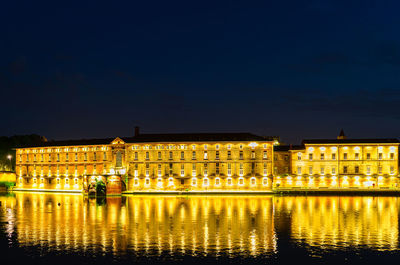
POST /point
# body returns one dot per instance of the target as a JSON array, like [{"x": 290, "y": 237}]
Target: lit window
[
  {"x": 136, "y": 181},
  {"x": 171, "y": 181},
  {"x": 159, "y": 169},
  {"x": 205, "y": 182},
  {"x": 147, "y": 156},
  {"x": 194, "y": 182},
  {"x": 253, "y": 181},
  {"x": 265, "y": 181},
  {"x": 333, "y": 170},
  {"x": 241, "y": 181},
  {"x": 159, "y": 182},
  {"x": 217, "y": 181},
  {"x": 265, "y": 155},
  {"x": 229, "y": 181},
  {"x": 322, "y": 170},
  {"x": 368, "y": 170},
  {"x": 194, "y": 170}
]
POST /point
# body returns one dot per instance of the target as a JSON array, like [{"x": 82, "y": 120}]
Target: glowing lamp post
[{"x": 9, "y": 158}]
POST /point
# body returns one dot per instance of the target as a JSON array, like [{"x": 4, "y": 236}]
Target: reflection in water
[
  {"x": 337, "y": 222},
  {"x": 197, "y": 225},
  {"x": 151, "y": 225}
]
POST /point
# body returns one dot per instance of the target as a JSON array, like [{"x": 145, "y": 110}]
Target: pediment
[{"x": 118, "y": 141}]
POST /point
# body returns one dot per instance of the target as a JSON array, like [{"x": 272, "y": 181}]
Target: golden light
[
  {"x": 206, "y": 182},
  {"x": 159, "y": 182},
  {"x": 253, "y": 145},
  {"x": 194, "y": 181}
]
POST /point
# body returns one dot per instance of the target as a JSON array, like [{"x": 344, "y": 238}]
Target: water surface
[{"x": 49, "y": 228}]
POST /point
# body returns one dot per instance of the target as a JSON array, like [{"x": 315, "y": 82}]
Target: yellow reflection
[
  {"x": 161, "y": 224},
  {"x": 211, "y": 225},
  {"x": 343, "y": 221}
]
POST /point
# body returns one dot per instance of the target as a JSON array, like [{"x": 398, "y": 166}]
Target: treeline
[{"x": 8, "y": 145}]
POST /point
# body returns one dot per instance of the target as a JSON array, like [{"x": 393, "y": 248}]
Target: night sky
[{"x": 296, "y": 69}]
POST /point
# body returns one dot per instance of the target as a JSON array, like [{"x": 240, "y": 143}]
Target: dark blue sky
[{"x": 297, "y": 69}]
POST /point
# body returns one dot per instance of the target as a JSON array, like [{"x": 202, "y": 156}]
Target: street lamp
[{"x": 9, "y": 158}]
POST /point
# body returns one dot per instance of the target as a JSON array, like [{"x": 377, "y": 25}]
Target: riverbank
[{"x": 325, "y": 191}]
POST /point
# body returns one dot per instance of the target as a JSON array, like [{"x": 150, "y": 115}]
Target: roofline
[{"x": 48, "y": 145}]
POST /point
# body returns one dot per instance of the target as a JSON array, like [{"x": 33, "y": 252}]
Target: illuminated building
[
  {"x": 150, "y": 162},
  {"x": 219, "y": 162},
  {"x": 344, "y": 163}
]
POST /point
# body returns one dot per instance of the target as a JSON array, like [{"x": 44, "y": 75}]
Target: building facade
[
  {"x": 150, "y": 162},
  {"x": 344, "y": 163},
  {"x": 232, "y": 162}
]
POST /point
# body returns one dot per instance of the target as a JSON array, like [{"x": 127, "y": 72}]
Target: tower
[{"x": 341, "y": 136}]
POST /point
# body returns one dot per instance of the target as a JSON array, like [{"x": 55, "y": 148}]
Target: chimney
[{"x": 136, "y": 130}]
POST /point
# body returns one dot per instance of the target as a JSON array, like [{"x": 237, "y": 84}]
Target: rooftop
[
  {"x": 350, "y": 141},
  {"x": 196, "y": 137},
  {"x": 177, "y": 137}
]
